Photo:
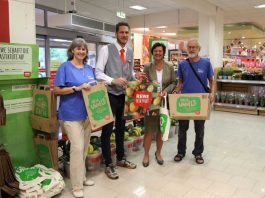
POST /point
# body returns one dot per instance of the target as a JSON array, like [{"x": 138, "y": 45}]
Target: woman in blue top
[{"x": 73, "y": 76}]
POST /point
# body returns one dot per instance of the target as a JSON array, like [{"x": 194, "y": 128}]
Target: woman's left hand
[
  {"x": 85, "y": 86},
  {"x": 164, "y": 93}
]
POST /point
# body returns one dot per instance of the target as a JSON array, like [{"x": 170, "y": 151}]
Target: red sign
[
  {"x": 27, "y": 74},
  {"x": 142, "y": 98}
]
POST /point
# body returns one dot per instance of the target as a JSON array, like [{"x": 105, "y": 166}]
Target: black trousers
[
  {"x": 117, "y": 106},
  {"x": 182, "y": 136}
]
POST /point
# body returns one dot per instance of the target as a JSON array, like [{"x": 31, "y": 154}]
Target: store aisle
[{"x": 234, "y": 166}]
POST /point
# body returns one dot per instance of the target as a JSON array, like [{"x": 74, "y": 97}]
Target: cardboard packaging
[
  {"x": 98, "y": 106},
  {"x": 47, "y": 150},
  {"x": 189, "y": 106},
  {"x": 44, "y": 111},
  {"x": 141, "y": 98}
]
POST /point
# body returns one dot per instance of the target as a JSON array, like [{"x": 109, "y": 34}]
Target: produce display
[{"x": 240, "y": 98}]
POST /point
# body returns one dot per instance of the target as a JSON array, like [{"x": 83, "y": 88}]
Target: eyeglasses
[{"x": 192, "y": 47}]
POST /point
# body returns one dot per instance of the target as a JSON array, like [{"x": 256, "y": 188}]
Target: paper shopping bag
[
  {"x": 47, "y": 150},
  {"x": 44, "y": 102},
  {"x": 164, "y": 120},
  {"x": 98, "y": 106}
]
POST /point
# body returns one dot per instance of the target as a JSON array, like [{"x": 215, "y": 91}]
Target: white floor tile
[{"x": 234, "y": 166}]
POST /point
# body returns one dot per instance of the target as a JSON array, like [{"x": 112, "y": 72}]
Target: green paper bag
[{"x": 98, "y": 106}]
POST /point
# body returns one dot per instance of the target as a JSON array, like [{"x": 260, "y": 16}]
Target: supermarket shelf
[
  {"x": 257, "y": 82},
  {"x": 261, "y": 111},
  {"x": 236, "y": 108}
]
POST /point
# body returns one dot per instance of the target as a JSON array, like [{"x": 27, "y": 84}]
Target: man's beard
[{"x": 193, "y": 55}]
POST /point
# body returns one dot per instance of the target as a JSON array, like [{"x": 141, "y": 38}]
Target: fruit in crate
[
  {"x": 90, "y": 149},
  {"x": 157, "y": 101},
  {"x": 126, "y": 136},
  {"x": 112, "y": 137},
  {"x": 129, "y": 91},
  {"x": 133, "y": 84},
  {"x": 133, "y": 107},
  {"x": 136, "y": 131},
  {"x": 150, "y": 88}
]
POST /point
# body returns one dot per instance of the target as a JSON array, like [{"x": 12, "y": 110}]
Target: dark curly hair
[
  {"x": 159, "y": 45},
  {"x": 77, "y": 42}
]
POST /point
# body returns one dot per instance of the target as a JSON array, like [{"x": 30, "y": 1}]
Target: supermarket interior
[{"x": 54, "y": 55}]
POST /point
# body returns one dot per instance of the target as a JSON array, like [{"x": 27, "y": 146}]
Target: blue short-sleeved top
[
  {"x": 190, "y": 82},
  {"x": 72, "y": 106}
]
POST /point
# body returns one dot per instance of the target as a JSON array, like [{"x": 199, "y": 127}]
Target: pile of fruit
[
  {"x": 130, "y": 109},
  {"x": 134, "y": 131},
  {"x": 94, "y": 145}
]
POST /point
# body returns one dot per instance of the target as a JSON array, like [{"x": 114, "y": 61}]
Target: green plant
[
  {"x": 229, "y": 71},
  {"x": 220, "y": 72}
]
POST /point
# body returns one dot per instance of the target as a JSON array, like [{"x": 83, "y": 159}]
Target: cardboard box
[
  {"x": 189, "y": 106},
  {"x": 49, "y": 125}
]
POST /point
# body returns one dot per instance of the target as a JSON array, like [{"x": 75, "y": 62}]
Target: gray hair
[
  {"x": 195, "y": 41},
  {"x": 77, "y": 42}
]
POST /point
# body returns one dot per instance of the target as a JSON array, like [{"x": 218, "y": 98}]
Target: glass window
[
  {"x": 92, "y": 54},
  {"x": 58, "y": 52},
  {"x": 42, "y": 61}
]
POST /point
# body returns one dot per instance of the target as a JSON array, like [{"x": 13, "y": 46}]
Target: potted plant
[
  {"x": 229, "y": 73},
  {"x": 220, "y": 74}
]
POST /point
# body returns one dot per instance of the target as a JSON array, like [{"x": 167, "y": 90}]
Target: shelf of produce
[
  {"x": 236, "y": 108},
  {"x": 256, "y": 82}
]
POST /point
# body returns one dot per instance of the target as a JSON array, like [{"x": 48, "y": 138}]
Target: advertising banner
[{"x": 18, "y": 61}]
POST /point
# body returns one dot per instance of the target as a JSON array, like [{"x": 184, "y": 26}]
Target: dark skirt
[{"x": 152, "y": 124}]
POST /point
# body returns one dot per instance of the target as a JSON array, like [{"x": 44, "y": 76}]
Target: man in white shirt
[{"x": 115, "y": 67}]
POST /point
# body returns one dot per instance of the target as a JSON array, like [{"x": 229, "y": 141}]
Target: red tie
[{"x": 122, "y": 56}]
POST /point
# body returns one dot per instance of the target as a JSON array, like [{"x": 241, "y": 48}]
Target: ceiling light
[
  {"x": 243, "y": 37},
  {"x": 229, "y": 32},
  {"x": 140, "y": 29},
  {"x": 138, "y": 7},
  {"x": 164, "y": 31},
  {"x": 259, "y": 43},
  {"x": 169, "y": 34},
  {"x": 161, "y": 27},
  {"x": 260, "y": 6}
]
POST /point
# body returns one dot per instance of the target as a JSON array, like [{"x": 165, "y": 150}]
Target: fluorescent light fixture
[
  {"x": 140, "y": 29},
  {"x": 259, "y": 43},
  {"x": 229, "y": 32},
  {"x": 260, "y": 6},
  {"x": 243, "y": 37},
  {"x": 169, "y": 34},
  {"x": 61, "y": 40},
  {"x": 161, "y": 27},
  {"x": 138, "y": 7}
]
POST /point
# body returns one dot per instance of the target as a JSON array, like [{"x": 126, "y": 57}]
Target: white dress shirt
[{"x": 102, "y": 61}]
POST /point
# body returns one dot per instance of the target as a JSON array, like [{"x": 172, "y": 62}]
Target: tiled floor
[{"x": 234, "y": 166}]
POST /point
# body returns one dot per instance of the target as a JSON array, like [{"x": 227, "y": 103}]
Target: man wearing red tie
[{"x": 115, "y": 67}]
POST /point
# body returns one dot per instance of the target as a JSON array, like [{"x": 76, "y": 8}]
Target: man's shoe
[
  {"x": 89, "y": 182},
  {"x": 78, "y": 193},
  {"x": 110, "y": 171},
  {"x": 126, "y": 164}
]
